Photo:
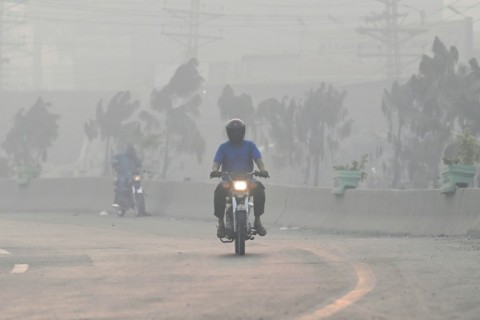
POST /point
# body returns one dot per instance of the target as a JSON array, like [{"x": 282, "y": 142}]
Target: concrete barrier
[
  {"x": 72, "y": 195},
  {"x": 412, "y": 212}
]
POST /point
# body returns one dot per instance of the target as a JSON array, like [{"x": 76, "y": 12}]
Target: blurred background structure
[
  {"x": 75, "y": 53},
  {"x": 108, "y": 45}
]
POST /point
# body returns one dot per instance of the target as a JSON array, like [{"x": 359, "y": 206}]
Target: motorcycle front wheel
[{"x": 241, "y": 234}]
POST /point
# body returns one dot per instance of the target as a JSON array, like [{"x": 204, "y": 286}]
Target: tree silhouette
[
  {"x": 423, "y": 113},
  {"x": 468, "y": 97},
  {"x": 114, "y": 125},
  {"x": 33, "y": 133},
  {"x": 241, "y": 107},
  {"x": 322, "y": 122},
  {"x": 277, "y": 118},
  {"x": 178, "y": 103},
  {"x": 150, "y": 141},
  {"x": 397, "y": 106}
]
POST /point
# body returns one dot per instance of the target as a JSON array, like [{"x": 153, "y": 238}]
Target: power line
[
  {"x": 387, "y": 29},
  {"x": 193, "y": 18},
  {"x": 6, "y": 46}
]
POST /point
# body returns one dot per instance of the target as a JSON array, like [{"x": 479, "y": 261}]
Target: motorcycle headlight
[
  {"x": 136, "y": 178},
  {"x": 240, "y": 185}
]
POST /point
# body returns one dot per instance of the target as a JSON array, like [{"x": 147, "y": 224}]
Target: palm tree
[
  {"x": 397, "y": 107},
  {"x": 33, "y": 133},
  {"x": 178, "y": 103},
  {"x": 423, "y": 112},
  {"x": 113, "y": 123},
  {"x": 241, "y": 107},
  {"x": 468, "y": 97},
  {"x": 322, "y": 122},
  {"x": 150, "y": 141},
  {"x": 278, "y": 117}
]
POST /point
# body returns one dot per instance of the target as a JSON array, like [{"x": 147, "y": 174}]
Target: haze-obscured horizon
[
  {"x": 77, "y": 54},
  {"x": 114, "y": 45}
]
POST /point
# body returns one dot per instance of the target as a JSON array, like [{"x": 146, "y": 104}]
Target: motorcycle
[
  {"x": 239, "y": 203},
  {"x": 130, "y": 195}
]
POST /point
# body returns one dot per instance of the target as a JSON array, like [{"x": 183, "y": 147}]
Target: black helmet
[
  {"x": 131, "y": 150},
  {"x": 235, "y": 130}
]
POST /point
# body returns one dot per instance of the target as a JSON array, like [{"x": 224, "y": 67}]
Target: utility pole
[
  {"x": 2, "y": 39},
  {"x": 387, "y": 29},
  {"x": 192, "y": 47},
  {"x": 469, "y": 47},
  {"x": 5, "y": 44},
  {"x": 193, "y": 18}
]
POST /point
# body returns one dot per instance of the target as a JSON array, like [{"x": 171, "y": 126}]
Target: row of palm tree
[
  {"x": 294, "y": 133},
  {"x": 300, "y": 134},
  {"x": 163, "y": 132},
  {"x": 423, "y": 114}
]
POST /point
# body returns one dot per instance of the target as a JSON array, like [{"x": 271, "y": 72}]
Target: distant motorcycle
[
  {"x": 239, "y": 203},
  {"x": 130, "y": 196}
]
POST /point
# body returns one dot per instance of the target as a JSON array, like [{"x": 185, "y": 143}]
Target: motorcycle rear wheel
[{"x": 121, "y": 212}]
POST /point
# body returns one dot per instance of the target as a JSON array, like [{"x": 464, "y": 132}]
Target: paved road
[{"x": 88, "y": 266}]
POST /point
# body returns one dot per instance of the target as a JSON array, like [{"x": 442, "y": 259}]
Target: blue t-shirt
[
  {"x": 124, "y": 164},
  {"x": 237, "y": 158}
]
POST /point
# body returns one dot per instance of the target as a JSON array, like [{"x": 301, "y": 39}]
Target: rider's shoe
[
  {"x": 220, "y": 228},
  {"x": 115, "y": 205},
  {"x": 257, "y": 225}
]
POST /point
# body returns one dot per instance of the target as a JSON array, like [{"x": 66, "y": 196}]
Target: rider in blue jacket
[{"x": 238, "y": 155}]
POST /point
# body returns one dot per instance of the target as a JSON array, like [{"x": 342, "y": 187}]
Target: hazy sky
[{"x": 72, "y": 36}]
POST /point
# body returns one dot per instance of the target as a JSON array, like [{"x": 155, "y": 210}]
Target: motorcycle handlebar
[
  {"x": 261, "y": 174},
  {"x": 216, "y": 174},
  {"x": 219, "y": 174}
]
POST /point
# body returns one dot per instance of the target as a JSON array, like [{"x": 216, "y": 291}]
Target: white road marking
[{"x": 19, "y": 268}]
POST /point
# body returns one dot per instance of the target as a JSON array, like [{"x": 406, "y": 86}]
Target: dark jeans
[{"x": 221, "y": 193}]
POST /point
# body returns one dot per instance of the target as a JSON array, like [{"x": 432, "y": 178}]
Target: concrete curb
[{"x": 411, "y": 212}]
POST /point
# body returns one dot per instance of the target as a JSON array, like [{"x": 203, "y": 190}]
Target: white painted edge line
[
  {"x": 19, "y": 268},
  {"x": 4, "y": 252}
]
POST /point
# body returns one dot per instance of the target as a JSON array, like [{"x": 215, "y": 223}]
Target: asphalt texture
[{"x": 92, "y": 266}]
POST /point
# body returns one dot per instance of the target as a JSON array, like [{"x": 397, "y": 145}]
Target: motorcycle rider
[
  {"x": 237, "y": 155},
  {"x": 125, "y": 164}
]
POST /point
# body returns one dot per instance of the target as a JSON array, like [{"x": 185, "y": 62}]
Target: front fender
[{"x": 136, "y": 189}]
